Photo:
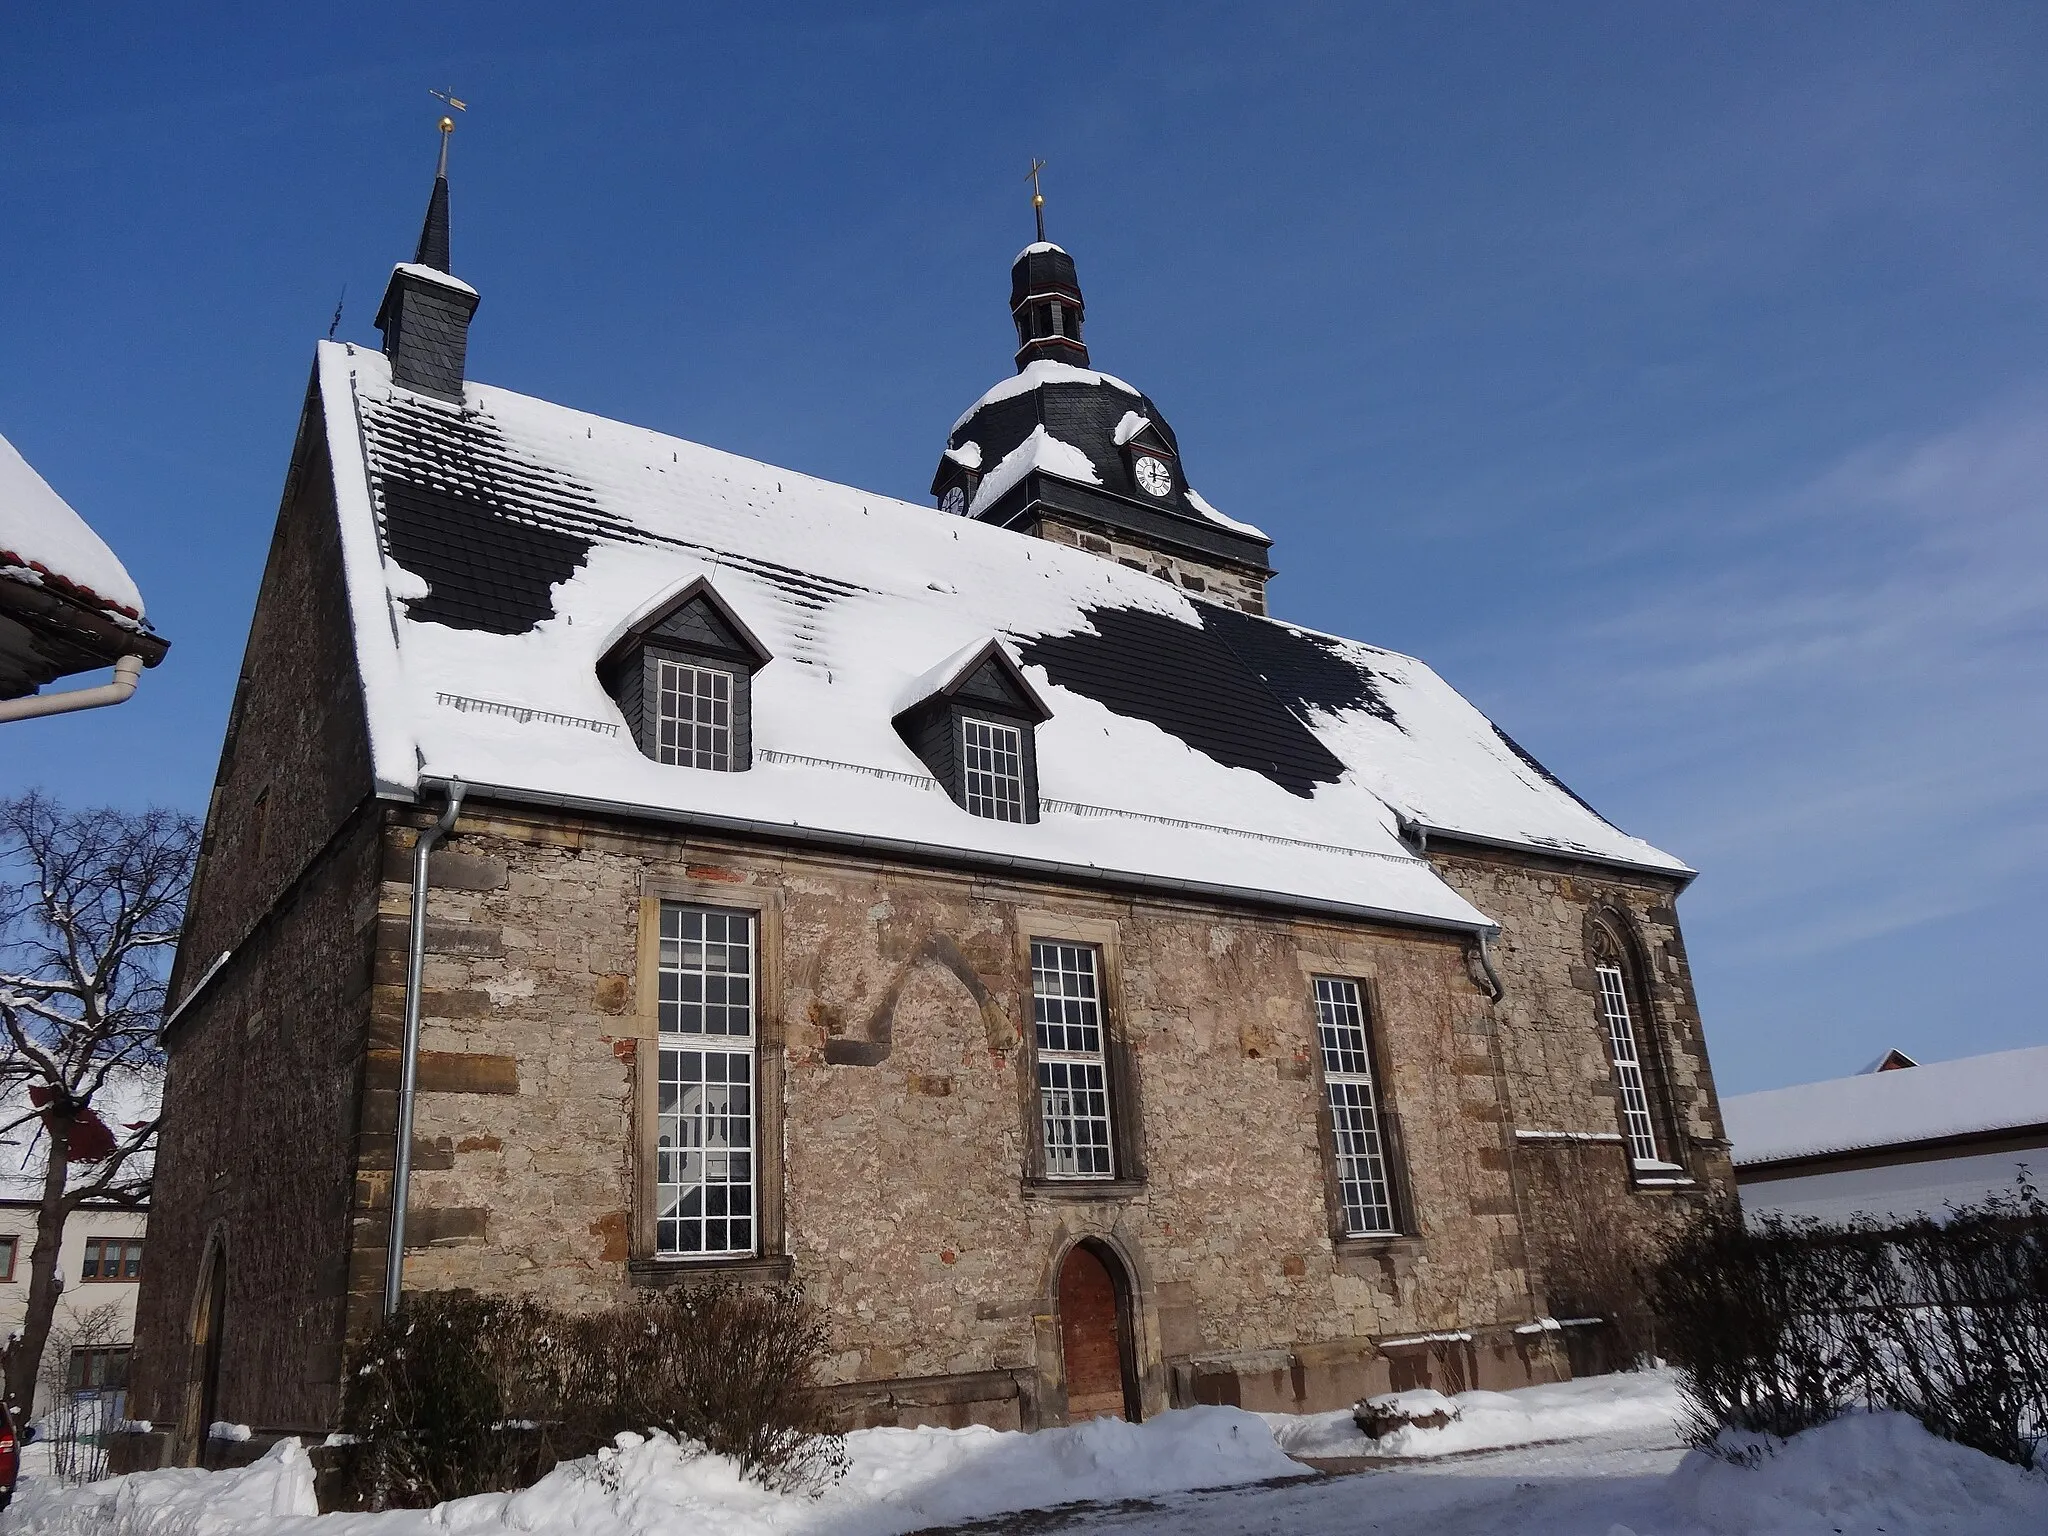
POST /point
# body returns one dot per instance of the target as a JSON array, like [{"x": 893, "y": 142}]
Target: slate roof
[
  {"x": 1079, "y": 411},
  {"x": 496, "y": 551}
]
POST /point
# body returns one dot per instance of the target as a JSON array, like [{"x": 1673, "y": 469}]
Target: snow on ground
[
  {"x": 1197, "y": 1472},
  {"x": 1592, "y": 1405},
  {"x": 900, "y": 1480}
]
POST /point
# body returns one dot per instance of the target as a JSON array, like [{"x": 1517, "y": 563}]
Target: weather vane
[
  {"x": 1037, "y": 197},
  {"x": 447, "y": 124}
]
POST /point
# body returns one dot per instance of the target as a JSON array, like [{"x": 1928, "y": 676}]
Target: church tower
[{"x": 1065, "y": 453}]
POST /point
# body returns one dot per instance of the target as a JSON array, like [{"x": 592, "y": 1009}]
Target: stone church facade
[{"x": 1006, "y": 931}]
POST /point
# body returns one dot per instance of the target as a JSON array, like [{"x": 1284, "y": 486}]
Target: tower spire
[
  {"x": 433, "y": 246},
  {"x": 1037, "y": 197},
  {"x": 426, "y": 310}
]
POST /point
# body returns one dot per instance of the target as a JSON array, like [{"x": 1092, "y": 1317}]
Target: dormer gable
[
  {"x": 682, "y": 674},
  {"x": 972, "y": 720}
]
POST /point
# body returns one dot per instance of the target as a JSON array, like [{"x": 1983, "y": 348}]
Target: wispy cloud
[{"x": 1845, "y": 721}]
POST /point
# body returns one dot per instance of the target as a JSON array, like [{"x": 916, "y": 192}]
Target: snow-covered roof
[
  {"x": 434, "y": 275},
  {"x": 44, "y": 543},
  {"x": 495, "y": 550},
  {"x": 2002, "y": 1091},
  {"x": 1036, "y": 375}
]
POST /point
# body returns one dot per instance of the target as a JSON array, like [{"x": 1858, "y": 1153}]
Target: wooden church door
[{"x": 1094, "y": 1341}]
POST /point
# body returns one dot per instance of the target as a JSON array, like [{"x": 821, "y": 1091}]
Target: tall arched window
[{"x": 1638, "y": 1083}]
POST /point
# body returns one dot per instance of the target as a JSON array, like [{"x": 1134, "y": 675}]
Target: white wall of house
[
  {"x": 80, "y": 1296},
  {"x": 1897, "y": 1191}
]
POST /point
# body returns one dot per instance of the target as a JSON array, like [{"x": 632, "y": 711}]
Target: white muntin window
[
  {"x": 705, "y": 1108},
  {"x": 1363, "y": 1186},
  {"x": 1073, "y": 1066},
  {"x": 1628, "y": 1068},
  {"x": 992, "y": 761},
  {"x": 693, "y": 725}
]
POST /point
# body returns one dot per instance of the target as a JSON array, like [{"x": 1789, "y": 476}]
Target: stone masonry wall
[
  {"x": 901, "y": 996},
  {"x": 1577, "y": 1193},
  {"x": 257, "y": 1152},
  {"x": 257, "y": 1156},
  {"x": 1231, "y": 585}
]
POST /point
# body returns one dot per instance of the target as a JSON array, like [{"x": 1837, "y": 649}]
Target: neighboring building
[
  {"x": 66, "y": 603},
  {"x": 1897, "y": 1141},
  {"x": 1099, "y": 995},
  {"x": 100, "y": 1265}
]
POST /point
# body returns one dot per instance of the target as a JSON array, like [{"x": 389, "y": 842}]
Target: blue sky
[{"x": 1674, "y": 378}]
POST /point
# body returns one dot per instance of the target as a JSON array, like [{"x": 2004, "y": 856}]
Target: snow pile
[
  {"x": 1592, "y": 1405},
  {"x": 183, "y": 1501},
  {"x": 1866, "y": 1472},
  {"x": 899, "y": 1480},
  {"x": 42, "y": 539}
]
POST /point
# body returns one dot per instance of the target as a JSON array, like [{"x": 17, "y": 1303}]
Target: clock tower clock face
[
  {"x": 1153, "y": 477},
  {"x": 954, "y": 502}
]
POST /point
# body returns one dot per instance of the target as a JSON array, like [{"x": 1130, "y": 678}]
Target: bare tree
[{"x": 90, "y": 905}]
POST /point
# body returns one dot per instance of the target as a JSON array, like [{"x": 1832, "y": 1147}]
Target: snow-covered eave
[
  {"x": 1682, "y": 873},
  {"x": 943, "y": 854},
  {"x": 394, "y": 756},
  {"x": 1775, "y": 1163}
]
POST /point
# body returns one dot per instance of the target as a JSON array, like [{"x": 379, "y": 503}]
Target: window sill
[
  {"x": 1377, "y": 1247},
  {"x": 1081, "y": 1189},
  {"x": 656, "y": 1274}
]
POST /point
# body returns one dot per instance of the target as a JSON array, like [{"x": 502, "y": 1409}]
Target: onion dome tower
[{"x": 1082, "y": 458}]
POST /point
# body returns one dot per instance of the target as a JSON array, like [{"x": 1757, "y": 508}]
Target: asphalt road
[{"x": 1579, "y": 1488}]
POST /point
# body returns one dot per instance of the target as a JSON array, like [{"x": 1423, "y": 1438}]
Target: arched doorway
[
  {"x": 1095, "y": 1335},
  {"x": 203, "y": 1390}
]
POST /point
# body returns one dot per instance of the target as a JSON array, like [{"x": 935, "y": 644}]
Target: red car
[{"x": 10, "y": 1457}]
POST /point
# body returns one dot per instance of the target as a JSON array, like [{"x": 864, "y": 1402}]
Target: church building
[{"x": 1101, "y": 995}]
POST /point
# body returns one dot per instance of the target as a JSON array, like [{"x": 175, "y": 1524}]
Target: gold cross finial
[
  {"x": 447, "y": 124},
  {"x": 1037, "y": 197}
]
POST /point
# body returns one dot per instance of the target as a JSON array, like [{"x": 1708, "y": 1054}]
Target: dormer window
[
  {"x": 973, "y": 722},
  {"x": 959, "y": 474},
  {"x": 694, "y": 725},
  {"x": 992, "y": 760},
  {"x": 684, "y": 679},
  {"x": 1147, "y": 458}
]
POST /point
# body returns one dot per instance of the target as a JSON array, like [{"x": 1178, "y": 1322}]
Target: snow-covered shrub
[
  {"x": 733, "y": 1367},
  {"x": 1781, "y": 1326},
  {"x": 462, "y": 1394}
]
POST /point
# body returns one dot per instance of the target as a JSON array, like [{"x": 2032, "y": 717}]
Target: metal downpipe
[
  {"x": 127, "y": 673},
  {"x": 409, "y": 1054}
]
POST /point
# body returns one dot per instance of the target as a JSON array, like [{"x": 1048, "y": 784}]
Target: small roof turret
[{"x": 426, "y": 311}]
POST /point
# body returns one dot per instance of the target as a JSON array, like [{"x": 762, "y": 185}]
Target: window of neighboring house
[
  {"x": 112, "y": 1258},
  {"x": 705, "y": 1109},
  {"x": 8, "y": 1247},
  {"x": 1364, "y": 1185},
  {"x": 694, "y": 719},
  {"x": 1073, "y": 1065},
  {"x": 103, "y": 1368},
  {"x": 993, "y": 758},
  {"x": 1638, "y": 1124}
]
